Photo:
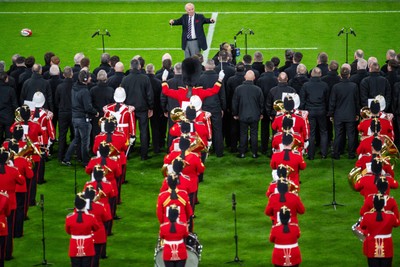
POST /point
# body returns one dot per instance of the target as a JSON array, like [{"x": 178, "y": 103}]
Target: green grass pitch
[{"x": 66, "y": 28}]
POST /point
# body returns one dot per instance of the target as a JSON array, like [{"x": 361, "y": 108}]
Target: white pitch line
[
  {"x": 210, "y": 35},
  {"x": 176, "y": 48},
  {"x": 224, "y": 13}
]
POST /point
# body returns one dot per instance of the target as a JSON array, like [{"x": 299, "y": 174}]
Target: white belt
[
  {"x": 286, "y": 246},
  {"x": 122, "y": 125},
  {"x": 81, "y": 236},
  {"x": 383, "y": 236},
  {"x": 173, "y": 242}
]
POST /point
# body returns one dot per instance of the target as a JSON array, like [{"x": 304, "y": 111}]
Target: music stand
[
  {"x": 236, "y": 259},
  {"x": 102, "y": 33},
  {"x": 333, "y": 203},
  {"x": 44, "y": 261}
]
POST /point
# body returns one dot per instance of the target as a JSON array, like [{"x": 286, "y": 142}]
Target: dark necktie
[{"x": 189, "y": 33}]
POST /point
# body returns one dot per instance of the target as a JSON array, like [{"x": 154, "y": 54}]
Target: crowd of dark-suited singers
[{"x": 189, "y": 110}]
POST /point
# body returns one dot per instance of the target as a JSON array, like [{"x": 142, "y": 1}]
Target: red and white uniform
[
  {"x": 5, "y": 211},
  {"x": 164, "y": 201},
  {"x": 390, "y": 205},
  {"x": 125, "y": 117},
  {"x": 81, "y": 243},
  {"x": 102, "y": 216},
  {"x": 119, "y": 141},
  {"x": 366, "y": 159},
  {"x": 293, "y": 202},
  {"x": 286, "y": 250},
  {"x": 174, "y": 243},
  {"x": 9, "y": 181},
  {"x": 46, "y": 125},
  {"x": 386, "y": 127},
  {"x": 366, "y": 185},
  {"x": 299, "y": 125},
  {"x": 181, "y": 93},
  {"x": 378, "y": 242},
  {"x": 296, "y": 162}
]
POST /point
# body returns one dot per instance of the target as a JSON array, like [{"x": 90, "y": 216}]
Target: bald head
[{"x": 249, "y": 76}]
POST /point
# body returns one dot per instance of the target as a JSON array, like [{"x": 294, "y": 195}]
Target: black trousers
[
  {"x": 318, "y": 121},
  {"x": 180, "y": 263},
  {"x": 244, "y": 127},
  {"x": 265, "y": 127},
  {"x": 217, "y": 137},
  {"x": 343, "y": 129},
  {"x": 81, "y": 261},
  {"x": 64, "y": 123},
  {"x": 19, "y": 215},
  {"x": 143, "y": 119},
  {"x": 380, "y": 262}
]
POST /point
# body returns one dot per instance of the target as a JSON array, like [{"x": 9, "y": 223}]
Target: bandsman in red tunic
[
  {"x": 9, "y": 177},
  {"x": 366, "y": 185},
  {"x": 284, "y": 198},
  {"x": 24, "y": 166},
  {"x": 173, "y": 234},
  {"x": 4, "y": 213},
  {"x": 289, "y": 157},
  {"x": 377, "y": 226},
  {"x": 284, "y": 235},
  {"x": 81, "y": 225},
  {"x": 390, "y": 203},
  {"x": 98, "y": 210}
]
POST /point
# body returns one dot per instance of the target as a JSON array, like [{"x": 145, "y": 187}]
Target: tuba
[{"x": 278, "y": 106}]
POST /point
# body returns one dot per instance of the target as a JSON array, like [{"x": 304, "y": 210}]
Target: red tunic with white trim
[
  {"x": 81, "y": 243},
  {"x": 378, "y": 242},
  {"x": 125, "y": 117},
  {"x": 293, "y": 202},
  {"x": 5, "y": 211},
  {"x": 174, "y": 243},
  {"x": 366, "y": 185},
  {"x": 286, "y": 251},
  {"x": 164, "y": 201}
]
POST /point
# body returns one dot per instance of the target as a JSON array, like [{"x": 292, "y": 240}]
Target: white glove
[
  {"x": 221, "y": 75},
  {"x": 165, "y": 75},
  {"x": 132, "y": 140}
]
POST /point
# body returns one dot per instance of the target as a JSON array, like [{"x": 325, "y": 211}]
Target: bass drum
[{"x": 193, "y": 248}]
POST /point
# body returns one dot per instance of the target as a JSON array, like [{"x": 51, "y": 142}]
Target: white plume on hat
[
  {"x": 38, "y": 99},
  {"x": 119, "y": 95}
]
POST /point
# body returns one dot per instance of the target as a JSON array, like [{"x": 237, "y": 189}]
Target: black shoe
[
  {"x": 241, "y": 156},
  {"x": 255, "y": 156}
]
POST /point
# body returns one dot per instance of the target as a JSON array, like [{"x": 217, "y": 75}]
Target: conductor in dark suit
[{"x": 193, "y": 37}]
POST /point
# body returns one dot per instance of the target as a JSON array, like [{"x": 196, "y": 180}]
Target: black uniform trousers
[
  {"x": 265, "y": 128},
  {"x": 64, "y": 123},
  {"x": 217, "y": 137},
  {"x": 318, "y": 121},
  {"x": 244, "y": 127},
  {"x": 142, "y": 117},
  {"x": 343, "y": 129},
  {"x": 81, "y": 261}
]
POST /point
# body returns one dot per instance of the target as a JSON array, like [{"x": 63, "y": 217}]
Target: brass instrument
[
  {"x": 355, "y": 175},
  {"x": 365, "y": 113},
  {"x": 278, "y": 106},
  {"x": 177, "y": 114}
]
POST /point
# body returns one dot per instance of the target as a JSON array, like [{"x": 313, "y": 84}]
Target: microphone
[
  {"x": 251, "y": 32},
  {"x": 240, "y": 32},
  {"x": 233, "y": 201},
  {"x": 341, "y": 31},
  {"x": 108, "y": 33},
  {"x": 96, "y": 33},
  {"x": 353, "y": 32}
]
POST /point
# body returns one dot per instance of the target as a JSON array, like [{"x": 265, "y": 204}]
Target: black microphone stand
[
  {"x": 347, "y": 31},
  {"x": 333, "y": 203},
  {"x": 236, "y": 260},
  {"x": 44, "y": 261},
  {"x": 105, "y": 32}
]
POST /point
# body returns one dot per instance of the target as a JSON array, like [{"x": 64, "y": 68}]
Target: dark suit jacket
[{"x": 199, "y": 20}]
